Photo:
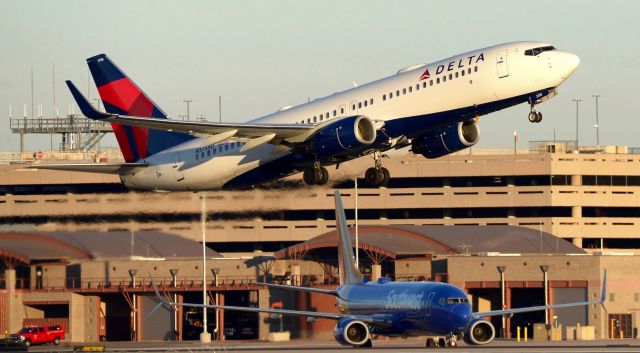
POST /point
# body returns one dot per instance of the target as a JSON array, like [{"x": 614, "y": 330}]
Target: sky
[{"x": 262, "y": 55}]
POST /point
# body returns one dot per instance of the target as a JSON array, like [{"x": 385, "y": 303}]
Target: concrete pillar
[
  {"x": 13, "y": 302},
  {"x": 576, "y": 211},
  {"x": 263, "y": 325},
  {"x": 295, "y": 275},
  {"x": 376, "y": 272},
  {"x": 577, "y": 242},
  {"x": 221, "y": 296},
  {"x": 576, "y": 180}
]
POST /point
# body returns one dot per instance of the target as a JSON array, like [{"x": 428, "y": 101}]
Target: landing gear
[
  {"x": 378, "y": 175},
  {"x": 367, "y": 344},
  {"x": 315, "y": 175},
  {"x": 534, "y": 115},
  {"x": 448, "y": 341}
]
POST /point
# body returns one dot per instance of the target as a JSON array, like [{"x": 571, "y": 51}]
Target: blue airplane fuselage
[{"x": 408, "y": 308}]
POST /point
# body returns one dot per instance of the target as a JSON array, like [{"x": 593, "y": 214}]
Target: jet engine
[
  {"x": 443, "y": 141},
  {"x": 347, "y": 136},
  {"x": 351, "y": 333},
  {"x": 479, "y": 332}
]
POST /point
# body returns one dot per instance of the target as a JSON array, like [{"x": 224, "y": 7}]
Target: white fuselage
[{"x": 470, "y": 79}]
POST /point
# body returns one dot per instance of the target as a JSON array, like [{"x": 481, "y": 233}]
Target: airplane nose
[
  {"x": 570, "y": 63},
  {"x": 461, "y": 314}
]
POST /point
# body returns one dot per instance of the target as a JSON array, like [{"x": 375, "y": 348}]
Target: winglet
[
  {"x": 87, "y": 109},
  {"x": 161, "y": 301}
]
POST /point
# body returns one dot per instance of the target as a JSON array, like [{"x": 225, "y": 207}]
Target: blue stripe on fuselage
[{"x": 410, "y": 126}]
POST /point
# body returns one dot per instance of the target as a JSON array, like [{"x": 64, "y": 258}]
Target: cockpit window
[
  {"x": 457, "y": 300},
  {"x": 536, "y": 51}
]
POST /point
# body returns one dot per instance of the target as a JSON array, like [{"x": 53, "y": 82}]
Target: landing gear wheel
[
  {"x": 431, "y": 343},
  {"x": 385, "y": 177},
  {"x": 442, "y": 342},
  {"x": 371, "y": 176},
  {"x": 309, "y": 176},
  {"x": 533, "y": 116},
  {"x": 323, "y": 176},
  {"x": 538, "y": 117}
]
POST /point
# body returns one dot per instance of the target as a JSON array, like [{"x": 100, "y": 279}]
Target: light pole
[
  {"x": 205, "y": 337},
  {"x": 216, "y": 331},
  {"x": 174, "y": 274},
  {"x": 597, "y": 125},
  {"x": 503, "y": 303},
  {"x": 134, "y": 335},
  {"x": 515, "y": 141},
  {"x": 187, "y": 101},
  {"x": 577, "y": 100}
]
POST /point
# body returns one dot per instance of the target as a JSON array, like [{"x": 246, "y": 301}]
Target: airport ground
[{"x": 397, "y": 345}]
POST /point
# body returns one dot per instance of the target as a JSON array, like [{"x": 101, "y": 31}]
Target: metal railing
[{"x": 188, "y": 283}]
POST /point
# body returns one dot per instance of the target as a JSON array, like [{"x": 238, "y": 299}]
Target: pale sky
[{"x": 262, "y": 55}]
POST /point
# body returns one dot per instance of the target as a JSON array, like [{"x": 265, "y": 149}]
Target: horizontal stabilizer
[{"x": 103, "y": 168}]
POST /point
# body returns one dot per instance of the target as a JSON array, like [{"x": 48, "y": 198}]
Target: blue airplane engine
[
  {"x": 349, "y": 136},
  {"x": 479, "y": 331},
  {"x": 351, "y": 332},
  {"x": 446, "y": 140}
]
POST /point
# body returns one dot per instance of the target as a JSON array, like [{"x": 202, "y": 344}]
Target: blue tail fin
[{"x": 349, "y": 272}]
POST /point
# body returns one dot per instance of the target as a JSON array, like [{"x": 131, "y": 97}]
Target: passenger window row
[
  {"x": 363, "y": 104},
  {"x": 431, "y": 82},
  {"x": 218, "y": 149}
]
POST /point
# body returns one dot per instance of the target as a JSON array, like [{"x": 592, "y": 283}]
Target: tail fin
[
  {"x": 349, "y": 272},
  {"x": 120, "y": 95}
]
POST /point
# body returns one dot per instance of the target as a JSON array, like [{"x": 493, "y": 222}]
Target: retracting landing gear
[
  {"x": 316, "y": 175},
  {"x": 378, "y": 175},
  {"x": 534, "y": 115}
]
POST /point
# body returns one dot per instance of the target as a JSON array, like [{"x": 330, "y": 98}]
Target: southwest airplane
[
  {"x": 433, "y": 108},
  {"x": 390, "y": 308}
]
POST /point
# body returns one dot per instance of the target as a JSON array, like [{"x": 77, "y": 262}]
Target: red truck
[{"x": 38, "y": 335}]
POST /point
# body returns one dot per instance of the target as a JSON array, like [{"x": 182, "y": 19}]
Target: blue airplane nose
[{"x": 460, "y": 314}]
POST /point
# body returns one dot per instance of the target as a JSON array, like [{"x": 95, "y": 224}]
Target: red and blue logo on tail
[{"x": 120, "y": 95}]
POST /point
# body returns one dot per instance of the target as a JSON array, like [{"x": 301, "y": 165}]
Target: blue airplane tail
[{"x": 349, "y": 272}]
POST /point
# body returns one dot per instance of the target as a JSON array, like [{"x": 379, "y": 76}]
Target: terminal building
[{"x": 510, "y": 229}]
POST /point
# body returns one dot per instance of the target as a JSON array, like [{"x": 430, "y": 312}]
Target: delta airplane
[
  {"x": 433, "y": 108},
  {"x": 390, "y": 308}
]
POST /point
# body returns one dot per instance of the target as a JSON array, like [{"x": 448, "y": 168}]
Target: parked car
[{"x": 38, "y": 335}]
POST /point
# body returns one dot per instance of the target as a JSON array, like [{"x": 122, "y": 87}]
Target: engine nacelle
[
  {"x": 453, "y": 138},
  {"x": 351, "y": 333},
  {"x": 479, "y": 332},
  {"x": 350, "y": 135}
]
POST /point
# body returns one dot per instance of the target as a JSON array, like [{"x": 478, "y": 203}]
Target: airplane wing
[
  {"x": 314, "y": 314},
  {"x": 267, "y": 133},
  {"x": 298, "y": 288},
  {"x": 104, "y": 168},
  {"x": 545, "y": 307}
]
